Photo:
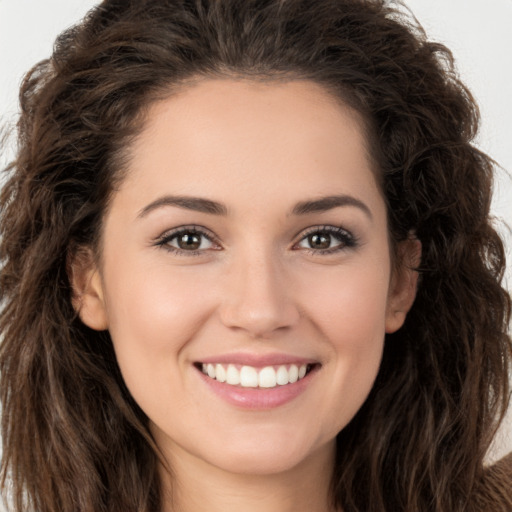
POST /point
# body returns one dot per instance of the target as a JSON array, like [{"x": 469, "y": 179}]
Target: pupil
[
  {"x": 189, "y": 241},
  {"x": 318, "y": 241}
]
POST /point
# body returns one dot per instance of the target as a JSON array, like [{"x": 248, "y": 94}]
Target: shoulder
[{"x": 494, "y": 493}]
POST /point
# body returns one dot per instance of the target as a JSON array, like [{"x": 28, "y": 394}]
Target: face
[{"x": 245, "y": 274}]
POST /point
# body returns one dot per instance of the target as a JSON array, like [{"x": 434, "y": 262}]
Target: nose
[{"x": 258, "y": 297}]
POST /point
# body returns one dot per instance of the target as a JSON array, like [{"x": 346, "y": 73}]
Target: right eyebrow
[
  {"x": 197, "y": 204},
  {"x": 329, "y": 202}
]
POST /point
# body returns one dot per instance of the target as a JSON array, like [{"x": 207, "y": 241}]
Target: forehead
[
  {"x": 243, "y": 139},
  {"x": 293, "y": 108}
]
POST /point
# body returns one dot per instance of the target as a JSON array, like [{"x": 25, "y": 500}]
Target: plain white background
[{"x": 478, "y": 33}]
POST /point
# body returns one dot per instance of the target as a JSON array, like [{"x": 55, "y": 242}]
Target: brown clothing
[{"x": 495, "y": 493}]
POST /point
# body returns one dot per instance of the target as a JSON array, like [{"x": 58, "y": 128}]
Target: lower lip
[{"x": 258, "y": 398}]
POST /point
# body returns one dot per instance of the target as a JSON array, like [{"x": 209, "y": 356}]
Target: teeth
[
  {"x": 250, "y": 377},
  {"x": 282, "y": 376},
  {"x": 293, "y": 374},
  {"x": 220, "y": 373},
  {"x": 232, "y": 375},
  {"x": 267, "y": 378}
]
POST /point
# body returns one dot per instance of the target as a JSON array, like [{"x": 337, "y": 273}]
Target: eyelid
[
  {"x": 164, "y": 239},
  {"x": 347, "y": 239}
]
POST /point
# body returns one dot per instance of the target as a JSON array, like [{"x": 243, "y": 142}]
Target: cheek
[
  {"x": 155, "y": 301},
  {"x": 349, "y": 305},
  {"x": 349, "y": 310},
  {"x": 153, "y": 313}
]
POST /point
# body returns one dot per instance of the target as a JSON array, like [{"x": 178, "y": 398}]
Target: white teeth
[
  {"x": 267, "y": 378},
  {"x": 250, "y": 377},
  {"x": 232, "y": 375},
  {"x": 282, "y": 375},
  {"x": 220, "y": 373},
  {"x": 293, "y": 374}
]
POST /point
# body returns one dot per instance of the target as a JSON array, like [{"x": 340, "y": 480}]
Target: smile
[{"x": 251, "y": 377}]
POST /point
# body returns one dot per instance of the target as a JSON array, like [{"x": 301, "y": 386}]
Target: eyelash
[
  {"x": 165, "y": 240},
  {"x": 347, "y": 240}
]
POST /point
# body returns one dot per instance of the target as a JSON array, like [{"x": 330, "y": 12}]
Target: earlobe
[
  {"x": 404, "y": 284},
  {"x": 87, "y": 289}
]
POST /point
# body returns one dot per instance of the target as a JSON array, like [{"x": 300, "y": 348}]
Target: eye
[
  {"x": 187, "y": 240},
  {"x": 326, "y": 240}
]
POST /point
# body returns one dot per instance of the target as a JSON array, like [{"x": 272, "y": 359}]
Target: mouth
[{"x": 245, "y": 376}]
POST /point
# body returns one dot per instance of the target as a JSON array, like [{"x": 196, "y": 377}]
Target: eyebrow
[
  {"x": 197, "y": 204},
  {"x": 203, "y": 205},
  {"x": 328, "y": 203}
]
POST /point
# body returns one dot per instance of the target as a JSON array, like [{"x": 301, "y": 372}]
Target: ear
[
  {"x": 404, "y": 283},
  {"x": 87, "y": 289}
]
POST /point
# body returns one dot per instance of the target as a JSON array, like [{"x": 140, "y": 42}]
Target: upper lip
[{"x": 258, "y": 360}]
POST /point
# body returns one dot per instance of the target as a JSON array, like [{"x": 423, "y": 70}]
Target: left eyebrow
[
  {"x": 197, "y": 204},
  {"x": 328, "y": 203}
]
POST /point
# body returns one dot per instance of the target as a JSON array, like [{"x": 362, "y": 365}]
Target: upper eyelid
[
  {"x": 319, "y": 228},
  {"x": 202, "y": 229},
  {"x": 164, "y": 240},
  {"x": 348, "y": 240},
  {"x": 173, "y": 232},
  {"x": 324, "y": 227}
]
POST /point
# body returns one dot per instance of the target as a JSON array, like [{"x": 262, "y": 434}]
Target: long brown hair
[{"x": 73, "y": 438}]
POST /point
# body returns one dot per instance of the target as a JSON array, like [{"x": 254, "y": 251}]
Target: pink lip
[
  {"x": 258, "y": 399},
  {"x": 257, "y": 361}
]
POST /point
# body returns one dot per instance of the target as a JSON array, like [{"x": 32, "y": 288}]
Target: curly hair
[{"x": 73, "y": 438}]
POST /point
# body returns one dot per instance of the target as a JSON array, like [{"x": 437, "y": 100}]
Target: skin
[{"x": 257, "y": 287}]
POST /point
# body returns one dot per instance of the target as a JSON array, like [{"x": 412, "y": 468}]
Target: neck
[{"x": 198, "y": 486}]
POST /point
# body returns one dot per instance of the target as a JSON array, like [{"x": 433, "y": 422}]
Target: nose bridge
[{"x": 257, "y": 297}]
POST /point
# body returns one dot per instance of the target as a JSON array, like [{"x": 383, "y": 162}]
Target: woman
[{"x": 248, "y": 263}]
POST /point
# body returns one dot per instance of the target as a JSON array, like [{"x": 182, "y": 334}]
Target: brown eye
[
  {"x": 327, "y": 239},
  {"x": 189, "y": 241},
  {"x": 319, "y": 241}
]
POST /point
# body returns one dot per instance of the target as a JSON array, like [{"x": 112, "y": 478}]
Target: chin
[
  {"x": 261, "y": 456},
  {"x": 260, "y": 463}
]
